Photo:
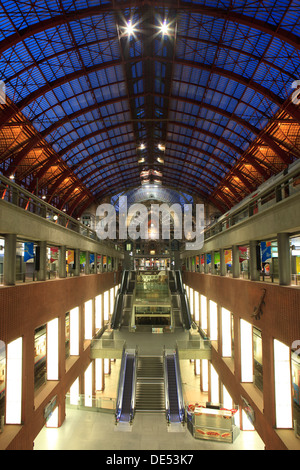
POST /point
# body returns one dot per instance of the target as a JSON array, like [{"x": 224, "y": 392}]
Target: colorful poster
[
  {"x": 53, "y": 255},
  {"x": 266, "y": 256},
  {"x": 243, "y": 253},
  {"x": 228, "y": 256},
  {"x": 208, "y": 258},
  {"x": 202, "y": 259},
  {"x": 82, "y": 258},
  {"x": 217, "y": 258},
  {"x": 28, "y": 251},
  {"x": 298, "y": 264},
  {"x": 92, "y": 258},
  {"x": 70, "y": 257}
]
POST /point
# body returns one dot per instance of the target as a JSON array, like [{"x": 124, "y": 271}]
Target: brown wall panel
[{"x": 280, "y": 320}]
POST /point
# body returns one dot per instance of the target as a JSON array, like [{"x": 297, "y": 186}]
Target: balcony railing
[{"x": 20, "y": 197}]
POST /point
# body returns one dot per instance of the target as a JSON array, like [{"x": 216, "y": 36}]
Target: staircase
[{"x": 150, "y": 385}]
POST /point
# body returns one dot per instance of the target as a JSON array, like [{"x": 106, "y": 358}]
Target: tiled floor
[{"x": 86, "y": 430}]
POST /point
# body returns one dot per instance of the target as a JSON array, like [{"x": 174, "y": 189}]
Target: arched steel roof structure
[{"x": 92, "y": 111}]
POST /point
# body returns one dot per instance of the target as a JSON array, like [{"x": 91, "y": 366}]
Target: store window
[
  {"x": 2, "y": 245},
  {"x": 203, "y": 303},
  {"x": 246, "y": 338},
  {"x": 213, "y": 319},
  {"x": 14, "y": 377},
  {"x": 228, "y": 262},
  {"x": 257, "y": 358},
  {"x": 98, "y": 312},
  {"x": 296, "y": 390},
  {"x": 2, "y": 378},
  {"x": 244, "y": 262},
  {"x": 52, "y": 265},
  {"x": 25, "y": 262},
  {"x": 283, "y": 385},
  {"x": 295, "y": 260},
  {"x": 40, "y": 366},
  {"x": 67, "y": 335},
  {"x": 74, "y": 332},
  {"x": 226, "y": 333}
]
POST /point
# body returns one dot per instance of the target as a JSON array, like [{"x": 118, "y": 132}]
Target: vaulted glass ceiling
[{"x": 203, "y": 107}]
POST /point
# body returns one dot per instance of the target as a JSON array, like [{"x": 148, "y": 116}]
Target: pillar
[
  {"x": 62, "y": 262},
  {"x": 253, "y": 258},
  {"x": 76, "y": 262},
  {"x": 284, "y": 258},
  {"x": 222, "y": 262},
  {"x": 235, "y": 261},
  {"x": 9, "y": 269},
  {"x": 87, "y": 263},
  {"x": 213, "y": 270},
  {"x": 42, "y": 265}
]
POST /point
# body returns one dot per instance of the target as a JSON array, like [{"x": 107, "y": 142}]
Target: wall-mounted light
[{"x": 161, "y": 147}]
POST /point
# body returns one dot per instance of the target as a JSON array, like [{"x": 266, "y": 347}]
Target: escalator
[
  {"x": 118, "y": 308},
  {"x": 126, "y": 391},
  {"x": 173, "y": 390},
  {"x": 184, "y": 303}
]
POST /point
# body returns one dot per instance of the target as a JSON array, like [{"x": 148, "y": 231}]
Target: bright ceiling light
[
  {"x": 164, "y": 28},
  {"x": 161, "y": 147},
  {"x": 142, "y": 147},
  {"x": 129, "y": 30}
]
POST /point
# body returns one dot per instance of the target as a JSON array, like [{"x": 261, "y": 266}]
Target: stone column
[
  {"x": 62, "y": 262},
  {"x": 235, "y": 261},
  {"x": 253, "y": 255},
  {"x": 9, "y": 269},
  {"x": 42, "y": 264},
  {"x": 284, "y": 259}
]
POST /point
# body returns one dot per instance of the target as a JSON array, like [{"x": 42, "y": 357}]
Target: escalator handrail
[
  {"x": 181, "y": 405},
  {"x": 166, "y": 380},
  {"x": 121, "y": 383},
  {"x": 117, "y": 306},
  {"x": 132, "y": 403},
  {"x": 187, "y": 309}
]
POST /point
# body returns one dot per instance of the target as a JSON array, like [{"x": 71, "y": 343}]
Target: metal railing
[
  {"x": 270, "y": 193},
  {"x": 20, "y": 197},
  {"x": 97, "y": 403}
]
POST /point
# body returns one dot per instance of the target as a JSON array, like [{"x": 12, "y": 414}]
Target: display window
[
  {"x": 2, "y": 377},
  {"x": 40, "y": 366},
  {"x": 2, "y": 246},
  {"x": 67, "y": 335},
  {"x": 257, "y": 358}
]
